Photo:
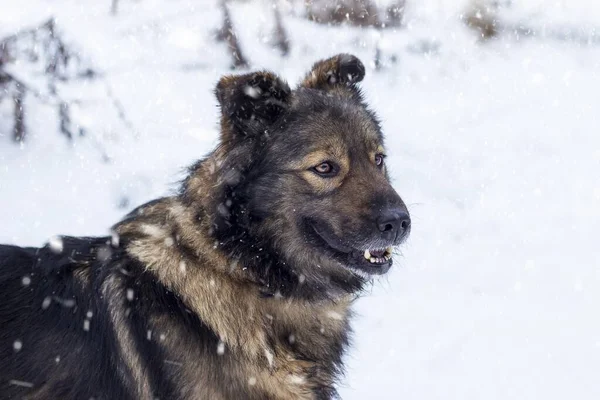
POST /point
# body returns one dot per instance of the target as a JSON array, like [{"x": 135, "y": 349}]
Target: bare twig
[
  {"x": 119, "y": 108},
  {"x": 227, "y": 34},
  {"x": 7, "y": 78},
  {"x": 43, "y": 49},
  {"x": 395, "y": 14},
  {"x": 65, "y": 120},
  {"x": 19, "y": 114},
  {"x": 353, "y": 12},
  {"x": 377, "y": 60},
  {"x": 238, "y": 59},
  {"x": 114, "y": 7},
  {"x": 281, "y": 37},
  {"x": 481, "y": 18}
]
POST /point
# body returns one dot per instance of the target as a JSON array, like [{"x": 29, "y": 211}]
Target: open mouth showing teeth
[
  {"x": 371, "y": 261},
  {"x": 378, "y": 256}
]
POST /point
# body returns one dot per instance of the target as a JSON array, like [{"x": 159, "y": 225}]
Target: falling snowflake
[
  {"x": 46, "y": 303},
  {"x": 69, "y": 303},
  {"x": 335, "y": 315},
  {"x": 252, "y": 91},
  {"x": 114, "y": 239},
  {"x": 221, "y": 348},
  {"x": 270, "y": 357},
  {"x": 20, "y": 383},
  {"x": 56, "y": 244}
]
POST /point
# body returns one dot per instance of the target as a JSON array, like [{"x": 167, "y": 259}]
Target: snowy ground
[{"x": 495, "y": 147}]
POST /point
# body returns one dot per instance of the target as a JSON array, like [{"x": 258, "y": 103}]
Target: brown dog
[{"x": 239, "y": 287}]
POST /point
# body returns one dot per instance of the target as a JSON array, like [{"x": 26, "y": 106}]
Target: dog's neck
[
  {"x": 167, "y": 232},
  {"x": 171, "y": 242}
]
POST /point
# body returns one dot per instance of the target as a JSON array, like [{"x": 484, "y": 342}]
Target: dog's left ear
[
  {"x": 340, "y": 71},
  {"x": 250, "y": 103}
]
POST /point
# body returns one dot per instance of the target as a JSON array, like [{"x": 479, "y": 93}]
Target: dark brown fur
[{"x": 240, "y": 286}]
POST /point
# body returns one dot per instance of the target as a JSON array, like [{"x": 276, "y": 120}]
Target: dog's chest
[{"x": 299, "y": 360}]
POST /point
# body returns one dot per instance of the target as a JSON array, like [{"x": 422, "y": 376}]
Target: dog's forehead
[{"x": 317, "y": 116}]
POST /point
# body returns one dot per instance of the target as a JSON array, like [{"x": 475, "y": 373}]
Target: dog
[{"x": 240, "y": 286}]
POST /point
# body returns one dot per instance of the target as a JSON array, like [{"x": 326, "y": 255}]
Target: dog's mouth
[
  {"x": 374, "y": 261},
  {"x": 378, "y": 256}
]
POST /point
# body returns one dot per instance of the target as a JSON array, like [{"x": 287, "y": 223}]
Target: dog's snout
[{"x": 393, "y": 223}]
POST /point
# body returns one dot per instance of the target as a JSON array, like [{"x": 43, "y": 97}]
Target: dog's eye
[
  {"x": 326, "y": 169},
  {"x": 379, "y": 159}
]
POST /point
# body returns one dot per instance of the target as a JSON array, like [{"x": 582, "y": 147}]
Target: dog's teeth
[{"x": 367, "y": 255}]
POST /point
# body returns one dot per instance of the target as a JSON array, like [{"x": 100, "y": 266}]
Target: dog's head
[{"x": 302, "y": 189}]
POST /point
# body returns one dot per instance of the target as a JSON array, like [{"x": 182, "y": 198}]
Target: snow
[
  {"x": 221, "y": 348},
  {"x": 20, "y": 383},
  {"x": 494, "y": 147}
]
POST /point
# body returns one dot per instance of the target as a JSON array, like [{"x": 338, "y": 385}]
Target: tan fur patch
[
  {"x": 246, "y": 323},
  {"x": 139, "y": 383}
]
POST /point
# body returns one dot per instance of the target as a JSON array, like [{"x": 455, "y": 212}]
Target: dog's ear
[
  {"x": 250, "y": 103},
  {"x": 340, "y": 71}
]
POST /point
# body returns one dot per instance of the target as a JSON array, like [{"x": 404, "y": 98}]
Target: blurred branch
[
  {"x": 395, "y": 14},
  {"x": 227, "y": 34},
  {"x": 16, "y": 89},
  {"x": 65, "y": 120},
  {"x": 114, "y": 7},
  {"x": 19, "y": 114},
  {"x": 481, "y": 17},
  {"x": 579, "y": 35},
  {"x": 119, "y": 108},
  {"x": 355, "y": 12},
  {"x": 281, "y": 37},
  {"x": 38, "y": 62},
  {"x": 484, "y": 17},
  {"x": 377, "y": 60}
]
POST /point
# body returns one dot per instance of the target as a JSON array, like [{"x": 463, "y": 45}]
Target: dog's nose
[{"x": 393, "y": 224}]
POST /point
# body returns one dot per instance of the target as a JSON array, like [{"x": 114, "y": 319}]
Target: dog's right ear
[{"x": 250, "y": 103}]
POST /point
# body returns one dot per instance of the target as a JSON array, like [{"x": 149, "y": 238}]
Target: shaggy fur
[{"x": 239, "y": 287}]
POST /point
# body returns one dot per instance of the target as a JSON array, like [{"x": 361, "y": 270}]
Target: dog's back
[
  {"x": 85, "y": 320},
  {"x": 46, "y": 312}
]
